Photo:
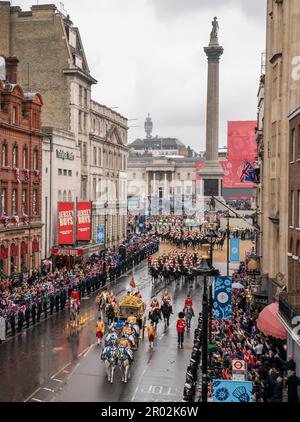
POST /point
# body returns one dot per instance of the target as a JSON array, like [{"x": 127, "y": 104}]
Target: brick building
[{"x": 20, "y": 173}]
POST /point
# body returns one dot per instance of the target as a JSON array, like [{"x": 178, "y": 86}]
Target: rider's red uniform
[
  {"x": 75, "y": 295},
  {"x": 188, "y": 302}
]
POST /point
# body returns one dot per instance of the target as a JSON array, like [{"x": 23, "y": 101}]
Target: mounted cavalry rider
[{"x": 166, "y": 297}]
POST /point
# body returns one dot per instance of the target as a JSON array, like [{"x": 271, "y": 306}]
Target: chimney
[{"x": 12, "y": 69}]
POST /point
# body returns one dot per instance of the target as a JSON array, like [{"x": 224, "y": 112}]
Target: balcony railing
[{"x": 286, "y": 309}]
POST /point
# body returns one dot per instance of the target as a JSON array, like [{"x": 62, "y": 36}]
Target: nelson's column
[{"x": 212, "y": 172}]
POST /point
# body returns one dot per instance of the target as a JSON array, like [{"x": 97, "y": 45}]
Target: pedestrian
[
  {"x": 181, "y": 326},
  {"x": 33, "y": 312},
  {"x": 100, "y": 330},
  {"x": 151, "y": 331},
  {"x": 12, "y": 320},
  {"x": 27, "y": 316},
  {"x": 20, "y": 320},
  {"x": 292, "y": 383}
]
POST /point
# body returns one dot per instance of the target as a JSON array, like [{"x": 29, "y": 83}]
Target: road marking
[
  {"x": 48, "y": 389},
  {"x": 78, "y": 364},
  {"x": 83, "y": 352},
  {"x": 138, "y": 386},
  {"x": 61, "y": 370},
  {"x": 88, "y": 351},
  {"x": 33, "y": 394},
  {"x": 40, "y": 401},
  {"x": 57, "y": 380}
]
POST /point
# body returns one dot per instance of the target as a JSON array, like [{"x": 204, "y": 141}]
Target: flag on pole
[
  {"x": 132, "y": 282},
  {"x": 247, "y": 173}
]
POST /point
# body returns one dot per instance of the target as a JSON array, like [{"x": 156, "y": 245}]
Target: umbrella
[
  {"x": 238, "y": 286},
  {"x": 269, "y": 323}
]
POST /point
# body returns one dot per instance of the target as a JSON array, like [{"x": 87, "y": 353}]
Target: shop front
[{"x": 70, "y": 256}]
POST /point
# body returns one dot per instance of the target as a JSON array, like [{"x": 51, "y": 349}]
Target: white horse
[
  {"x": 110, "y": 357},
  {"x": 124, "y": 363},
  {"x": 103, "y": 301},
  {"x": 74, "y": 311}
]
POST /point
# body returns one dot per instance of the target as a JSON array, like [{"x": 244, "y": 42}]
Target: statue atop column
[{"x": 215, "y": 28}]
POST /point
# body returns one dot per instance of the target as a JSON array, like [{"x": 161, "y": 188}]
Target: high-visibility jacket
[{"x": 100, "y": 326}]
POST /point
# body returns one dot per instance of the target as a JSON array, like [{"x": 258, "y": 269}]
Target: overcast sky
[{"x": 147, "y": 56}]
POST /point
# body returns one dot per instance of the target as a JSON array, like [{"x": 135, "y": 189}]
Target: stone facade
[
  {"x": 108, "y": 171},
  {"x": 162, "y": 185},
  {"x": 20, "y": 177},
  {"x": 53, "y": 61},
  {"x": 282, "y": 95}
]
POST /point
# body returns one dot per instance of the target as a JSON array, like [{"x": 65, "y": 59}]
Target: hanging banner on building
[
  {"x": 234, "y": 250},
  {"x": 225, "y": 391},
  {"x": 222, "y": 298},
  {"x": 100, "y": 235},
  {"x": 65, "y": 223},
  {"x": 84, "y": 219}
]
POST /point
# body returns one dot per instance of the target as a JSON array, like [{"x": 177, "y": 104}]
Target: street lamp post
[
  {"x": 105, "y": 225},
  {"x": 205, "y": 269}
]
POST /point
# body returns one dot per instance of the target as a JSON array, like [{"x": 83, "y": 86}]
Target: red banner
[
  {"x": 65, "y": 223},
  {"x": 84, "y": 212}
]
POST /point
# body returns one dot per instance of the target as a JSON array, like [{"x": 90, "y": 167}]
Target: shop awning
[{"x": 269, "y": 324}]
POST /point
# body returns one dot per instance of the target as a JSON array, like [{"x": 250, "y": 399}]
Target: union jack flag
[{"x": 247, "y": 173}]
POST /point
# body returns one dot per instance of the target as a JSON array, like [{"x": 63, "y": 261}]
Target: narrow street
[{"x": 54, "y": 362}]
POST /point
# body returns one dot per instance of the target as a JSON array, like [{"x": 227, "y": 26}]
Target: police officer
[
  {"x": 57, "y": 301},
  {"x": 33, "y": 312},
  {"x": 12, "y": 320},
  {"x": 20, "y": 320},
  {"x": 52, "y": 302},
  {"x": 39, "y": 308},
  {"x": 27, "y": 316}
]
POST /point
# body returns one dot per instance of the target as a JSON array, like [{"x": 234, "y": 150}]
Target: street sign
[
  {"x": 238, "y": 377},
  {"x": 100, "y": 235},
  {"x": 238, "y": 365}
]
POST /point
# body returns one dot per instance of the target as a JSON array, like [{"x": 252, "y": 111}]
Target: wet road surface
[{"x": 55, "y": 362}]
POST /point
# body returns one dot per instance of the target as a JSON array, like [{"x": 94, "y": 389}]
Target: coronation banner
[
  {"x": 65, "y": 223},
  {"x": 84, "y": 213}
]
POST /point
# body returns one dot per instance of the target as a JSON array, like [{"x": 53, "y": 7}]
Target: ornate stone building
[
  {"x": 279, "y": 197},
  {"x": 53, "y": 61},
  {"x": 20, "y": 173}
]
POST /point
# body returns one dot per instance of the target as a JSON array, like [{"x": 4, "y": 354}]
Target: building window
[
  {"x": 70, "y": 173},
  {"x": 65, "y": 196},
  {"x": 99, "y": 157},
  {"x": 292, "y": 222},
  {"x": 84, "y": 123},
  {"x": 70, "y": 196},
  {"x": 35, "y": 159},
  {"x": 60, "y": 172},
  {"x": 84, "y": 148},
  {"x": 95, "y": 155},
  {"x": 95, "y": 189},
  {"x": 65, "y": 172},
  {"x": 14, "y": 115},
  {"x": 4, "y": 155},
  {"x": 3, "y": 203},
  {"x": 15, "y": 157},
  {"x": 85, "y": 97},
  {"x": 293, "y": 146},
  {"x": 59, "y": 196},
  {"x": 14, "y": 204},
  {"x": 25, "y": 158},
  {"x": 24, "y": 201},
  {"x": 84, "y": 188},
  {"x": 80, "y": 121},
  {"x": 80, "y": 95},
  {"x": 35, "y": 202}
]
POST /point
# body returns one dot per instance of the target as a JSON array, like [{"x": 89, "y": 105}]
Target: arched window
[
  {"x": 70, "y": 196},
  {"x": 4, "y": 155},
  {"x": 59, "y": 196},
  {"x": 65, "y": 196},
  {"x": 25, "y": 158},
  {"x": 15, "y": 157},
  {"x": 35, "y": 159}
]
